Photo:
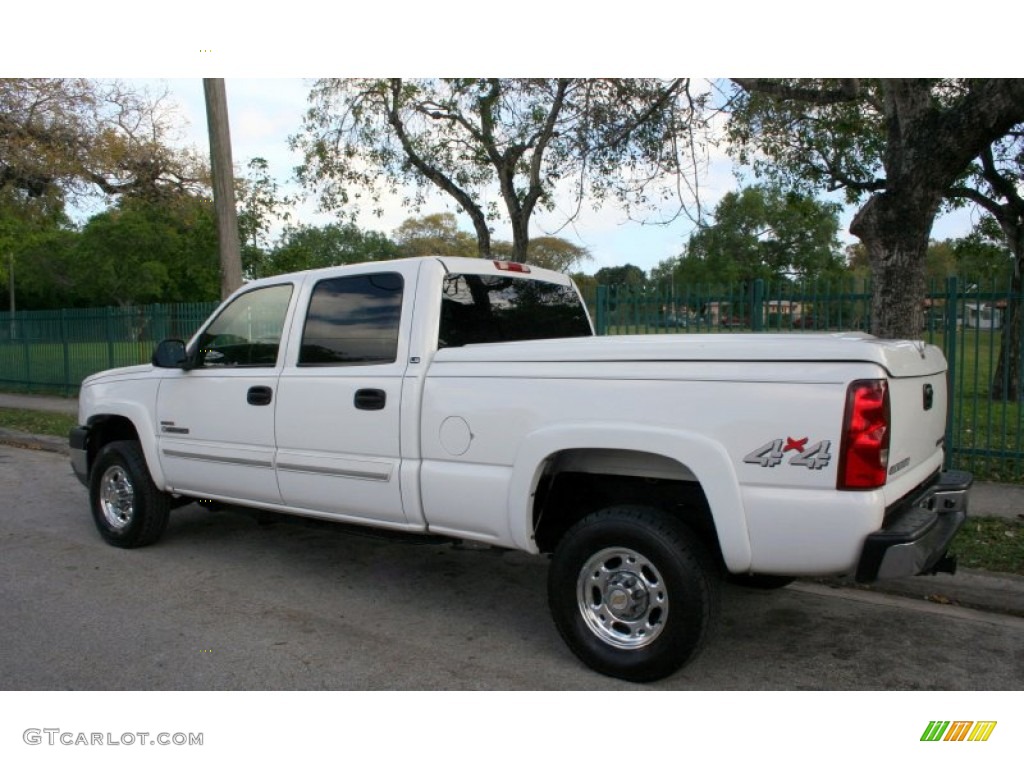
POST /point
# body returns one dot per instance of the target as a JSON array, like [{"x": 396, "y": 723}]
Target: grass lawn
[
  {"x": 992, "y": 544},
  {"x": 37, "y": 422}
]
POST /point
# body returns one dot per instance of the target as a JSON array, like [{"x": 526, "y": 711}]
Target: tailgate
[{"x": 918, "y": 426}]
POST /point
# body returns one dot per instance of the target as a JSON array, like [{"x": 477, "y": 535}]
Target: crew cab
[{"x": 469, "y": 399}]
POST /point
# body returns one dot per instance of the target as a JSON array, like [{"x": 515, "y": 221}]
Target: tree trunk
[
  {"x": 895, "y": 229},
  {"x": 1006, "y": 383},
  {"x": 483, "y": 234},
  {"x": 520, "y": 239}
]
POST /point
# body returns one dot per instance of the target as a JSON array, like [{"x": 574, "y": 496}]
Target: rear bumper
[
  {"x": 917, "y": 530},
  {"x": 78, "y": 442}
]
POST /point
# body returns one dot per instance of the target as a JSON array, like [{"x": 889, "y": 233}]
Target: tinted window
[
  {"x": 477, "y": 309},
  {"x": 248, "y": 330},
  {"x": 353, "y": 321}
]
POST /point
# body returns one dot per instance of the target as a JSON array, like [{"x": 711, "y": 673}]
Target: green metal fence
[
  {"x": 52, "y": 351},
  {"x": 964, "y": 317}
]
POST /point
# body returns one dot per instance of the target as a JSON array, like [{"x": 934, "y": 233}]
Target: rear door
[{"x": 340, "y": 396}]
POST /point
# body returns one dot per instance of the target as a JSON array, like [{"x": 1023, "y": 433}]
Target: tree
[
  {"x": 627, "y": 274},
  {"x": 308, "y": 247},
  {"x": 604, "y": 138},
  {"x": 260, "y": 206},
  {"x": 68, "y": 139},
  {"x": 895, "y": 145},
  {"x": 436, "y": 234},
  {"x": 765, "y": 233},
  {"x": 142, "y": 251},
  {"x": 24, "y": 222},
  {"x": 994, "y": 183},
  {"x": 982, "y": 255},
  {"x": 557, "y": 253},
  {"x": 72, "y": 137}
]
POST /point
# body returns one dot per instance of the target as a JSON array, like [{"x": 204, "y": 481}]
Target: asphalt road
[{"x": 224, "y": 603}]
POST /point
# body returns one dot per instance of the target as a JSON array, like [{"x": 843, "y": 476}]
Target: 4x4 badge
[{"x": 772, "y": 454}]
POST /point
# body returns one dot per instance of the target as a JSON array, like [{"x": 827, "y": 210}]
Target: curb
[
  {"x": 968, "y": 588},
  {"x": 48, "y": 443}
]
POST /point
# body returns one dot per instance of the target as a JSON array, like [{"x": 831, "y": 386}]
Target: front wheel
[
  {"x": 128, "y": 509},
  {"x": 633, "y": 592}
]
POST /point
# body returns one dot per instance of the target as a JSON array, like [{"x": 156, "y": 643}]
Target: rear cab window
[{"x": 481, "y": 309}]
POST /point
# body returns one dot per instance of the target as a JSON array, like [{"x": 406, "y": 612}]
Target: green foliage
[
  {"x": 837, "y": 144},
  {"x": 761, "y": 233},
  {"x": 308, "y": 247},
  {"x": 137, "y": 252},
  {"x": 983, "y": 254},
  {"x": 627, "y": 274}
]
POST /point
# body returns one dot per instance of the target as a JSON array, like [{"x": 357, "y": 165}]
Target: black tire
[
  {"x": 763, "y": 581},
  {"x": 633, "y": 592},
  {"x": 128, "y": 509}
]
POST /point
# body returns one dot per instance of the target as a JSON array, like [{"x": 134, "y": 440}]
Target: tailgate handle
[
  {"x": 929, "y": 396},
  {"x": 370, "y": 399},
  {"x": 259, "y": 395}
]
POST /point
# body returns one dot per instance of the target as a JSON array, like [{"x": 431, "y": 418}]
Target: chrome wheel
[
  {"x": 622, "y": 598},
  {"x": 117, "y": 497}
]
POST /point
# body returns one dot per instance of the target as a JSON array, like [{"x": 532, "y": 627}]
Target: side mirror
[{"x": 170, "y": 353}]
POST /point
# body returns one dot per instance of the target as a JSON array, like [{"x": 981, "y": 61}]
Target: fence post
[
  {"x": 952, "y": 291},
  {"x": 64, "y": 345},
  {"x": 757, "y": 307},
  {"x": 601, "y": 321},
  {"x": 24, "y": 328},
  {"x": 110, "y": 336}
]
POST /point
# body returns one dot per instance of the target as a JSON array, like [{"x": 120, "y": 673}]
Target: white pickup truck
[{"x": 469, "y": 399}]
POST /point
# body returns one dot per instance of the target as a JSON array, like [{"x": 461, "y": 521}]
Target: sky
[{"x": 264, "y": 59}]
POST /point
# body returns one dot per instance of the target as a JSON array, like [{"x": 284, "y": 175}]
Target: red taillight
[{"x": 864, "y": 456}]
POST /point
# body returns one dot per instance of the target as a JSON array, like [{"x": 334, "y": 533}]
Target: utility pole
[{"x": 223, "y": 185}]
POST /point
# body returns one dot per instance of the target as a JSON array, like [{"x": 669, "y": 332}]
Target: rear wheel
[
  {"x": 128, "y": 509},
  {"x": 633, "y": 592}
]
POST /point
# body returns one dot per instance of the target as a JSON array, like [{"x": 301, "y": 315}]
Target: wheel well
[
  {"x": 106, "y": 429},
  {"x": 573, "y": 486}
]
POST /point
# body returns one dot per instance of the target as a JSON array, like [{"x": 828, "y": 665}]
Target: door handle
[
  {"x": 259, "y": 395},
  {"x": 370, "y": 399}
]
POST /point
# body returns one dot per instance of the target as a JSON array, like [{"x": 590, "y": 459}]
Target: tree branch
[
  {"x": 848, "y": 91},
  {"x": 1000, "y": 184},
  {"x": 444, "y": 182},
  {"x": 969, "y": 193}
]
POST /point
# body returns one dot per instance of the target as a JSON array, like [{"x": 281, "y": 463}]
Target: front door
[{"x": 216, "y": 422}]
